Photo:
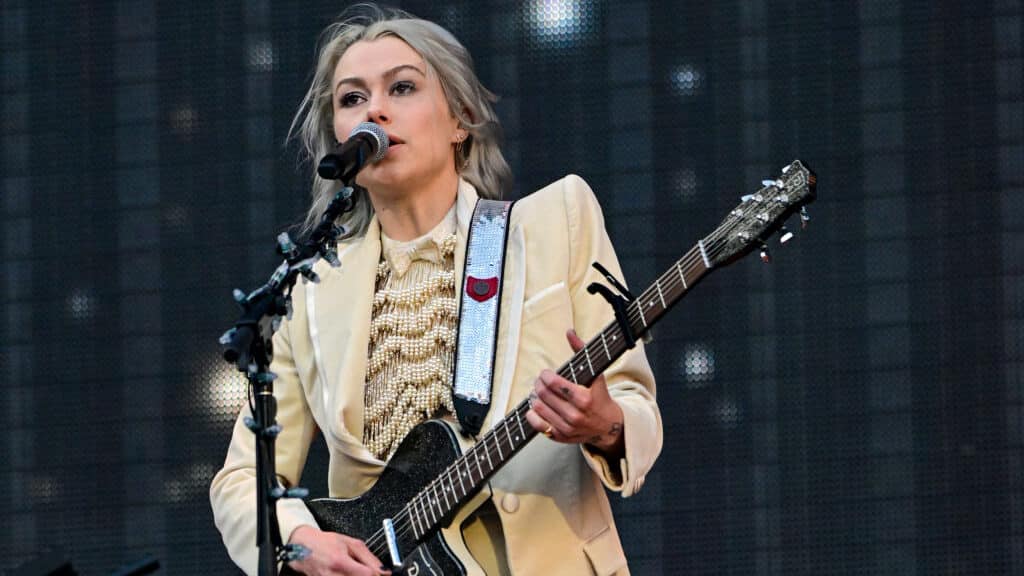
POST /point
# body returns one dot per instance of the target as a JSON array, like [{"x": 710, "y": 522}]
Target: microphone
[{"x": 367, "y": 143}]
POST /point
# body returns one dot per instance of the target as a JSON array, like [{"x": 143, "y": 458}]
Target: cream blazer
[{"x": 550, "y": 497}]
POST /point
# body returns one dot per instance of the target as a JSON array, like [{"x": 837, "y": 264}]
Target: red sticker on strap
[{"x": 481, "y": 289}]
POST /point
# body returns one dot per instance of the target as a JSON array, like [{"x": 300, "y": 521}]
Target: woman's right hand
[{"x": 333, "y": 554}]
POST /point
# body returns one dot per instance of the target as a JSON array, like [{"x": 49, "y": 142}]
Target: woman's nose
[{"x": 377, "y": 111}]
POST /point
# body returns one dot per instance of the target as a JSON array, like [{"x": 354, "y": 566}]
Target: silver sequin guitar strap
[{"x": 478, "y": 312}]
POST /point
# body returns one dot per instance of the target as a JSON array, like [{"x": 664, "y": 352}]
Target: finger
[
  {"x": 567, "y": 399},
  {"x": 537, "y": 423},
  {"x": 562, "y": 429},
  {"x": 575, "y": 342},
  {"x": 361, "y": 553},
  {"x": 350, "y": 566}
]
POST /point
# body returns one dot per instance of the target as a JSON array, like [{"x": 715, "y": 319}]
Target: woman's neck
[{"x": 410, "y": 214}]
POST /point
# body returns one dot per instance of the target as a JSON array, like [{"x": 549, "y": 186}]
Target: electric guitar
[{"x": 430, "y": 482}]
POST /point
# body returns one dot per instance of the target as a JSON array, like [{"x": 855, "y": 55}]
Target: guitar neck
[{"x": 466, "y": 475}]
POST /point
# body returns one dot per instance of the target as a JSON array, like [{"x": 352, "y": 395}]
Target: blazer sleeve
[
  {"x": 233, "y": 490},
  {"x": 630, "y": 379}
]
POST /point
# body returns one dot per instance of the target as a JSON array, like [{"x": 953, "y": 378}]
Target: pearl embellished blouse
[{"x": 412, "y": 337}]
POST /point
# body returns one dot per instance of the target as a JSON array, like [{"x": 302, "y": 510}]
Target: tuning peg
[
  {"x": 785, "y": 235},
  {"x": 766, "y": 256},
  {"x": 804, "y": 217},
  {"x": 238, "y": 295}
]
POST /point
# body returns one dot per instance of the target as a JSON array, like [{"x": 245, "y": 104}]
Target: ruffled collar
[{"x": 433, "y": 246}]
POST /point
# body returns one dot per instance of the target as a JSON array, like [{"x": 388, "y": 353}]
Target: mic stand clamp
[{"x": 248, "y": 345}]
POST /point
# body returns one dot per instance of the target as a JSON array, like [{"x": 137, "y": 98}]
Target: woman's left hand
[{"x": 572, "y": 414}]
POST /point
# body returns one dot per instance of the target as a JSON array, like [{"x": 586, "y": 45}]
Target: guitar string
[{"x": 715, "y": 244}]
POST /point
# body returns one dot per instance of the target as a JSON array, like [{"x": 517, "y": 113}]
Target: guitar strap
[{"x": 478, "y": 312}]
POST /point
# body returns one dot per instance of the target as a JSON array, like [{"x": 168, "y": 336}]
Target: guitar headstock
[{"x": 761, "y": 214}]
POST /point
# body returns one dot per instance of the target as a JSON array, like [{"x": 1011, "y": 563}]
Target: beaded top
[{"x": 412, "y": 337}]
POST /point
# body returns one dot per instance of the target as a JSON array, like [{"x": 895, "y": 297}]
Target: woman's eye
[
  {"x": 404, "y": 87},
  {"x": 350, "y": 99}
]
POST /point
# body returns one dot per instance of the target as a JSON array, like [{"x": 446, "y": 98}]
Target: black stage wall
[{"x": 854, "y": 408}]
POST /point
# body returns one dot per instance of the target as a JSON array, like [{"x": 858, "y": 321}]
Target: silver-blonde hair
[{"x": 478, "y": 159}]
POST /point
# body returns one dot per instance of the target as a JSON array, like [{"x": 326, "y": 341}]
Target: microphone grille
[{"x": 374, "y": 130}]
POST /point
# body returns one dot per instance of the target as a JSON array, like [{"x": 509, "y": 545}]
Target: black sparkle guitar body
[{"x": 422, "y": 456}]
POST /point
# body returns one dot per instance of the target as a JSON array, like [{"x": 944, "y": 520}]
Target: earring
[{"x": 459, "y": 141}]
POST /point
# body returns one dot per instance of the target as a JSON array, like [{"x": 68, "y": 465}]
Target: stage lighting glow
[
  {"x": 224, "y": 389},
  {"x": 684, "y": 185},
  {"x": 727, "y": 413},
  {"x": 45, "y": 490},
  {"x": 561, "y": 23},
  {"x": 81, "y": 304},
  {"x": 686, "y": 80},
  {"x": 194, "y": 482},
  {"x": 185, "y": 122},
  {"x": 698, "y": 365},
  {"x": 261, "y": 56}
]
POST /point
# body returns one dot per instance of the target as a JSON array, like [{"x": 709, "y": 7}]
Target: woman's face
[{"x": 387, "y": 82}]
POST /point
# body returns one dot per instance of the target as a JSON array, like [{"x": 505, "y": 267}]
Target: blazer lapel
[{"x": 339, "y": 324}]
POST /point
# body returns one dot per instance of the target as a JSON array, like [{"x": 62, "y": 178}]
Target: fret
[
  {"x": 660, "y": 295},
  {"x": 460, "y": 475},
  {"x": 481, "y": 470},
  {"x": 425, "y": 503},
  {"x": 519, "y": 421},
  {"x": 640, "y": 308},
  {"x": 500, "y": 455},
  {"x": 488, "y": 452},
  {"x": 586, "y": 353},
  {"x": 445, "y": 489},
  {"x": 605, "y": 344},
  {"x": 417, "y": 529},
  {"x": 572, "y": 373},
  {"x": 432, "y": 502},
  {"x": 682, "y": 276},
  {"x": 704, "y": 255},
  {"x": 423, "y": 514}
]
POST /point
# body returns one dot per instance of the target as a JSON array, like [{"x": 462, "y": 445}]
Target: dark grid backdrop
[{"x": 854, "y": 408}]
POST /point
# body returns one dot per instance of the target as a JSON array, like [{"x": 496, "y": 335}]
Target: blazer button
[{"x": 510, "y": 503}]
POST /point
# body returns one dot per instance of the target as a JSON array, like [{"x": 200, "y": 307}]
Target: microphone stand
[{"x": 248, "y": 345}]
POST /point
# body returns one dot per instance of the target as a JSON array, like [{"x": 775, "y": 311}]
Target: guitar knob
[
  {"x": 785, "y": 235},
  {"x": 804, "y": 217},
  {"x": 766, "y": 256}
]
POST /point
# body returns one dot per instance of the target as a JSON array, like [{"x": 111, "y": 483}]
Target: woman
[{"x": 369, "y": 350}]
